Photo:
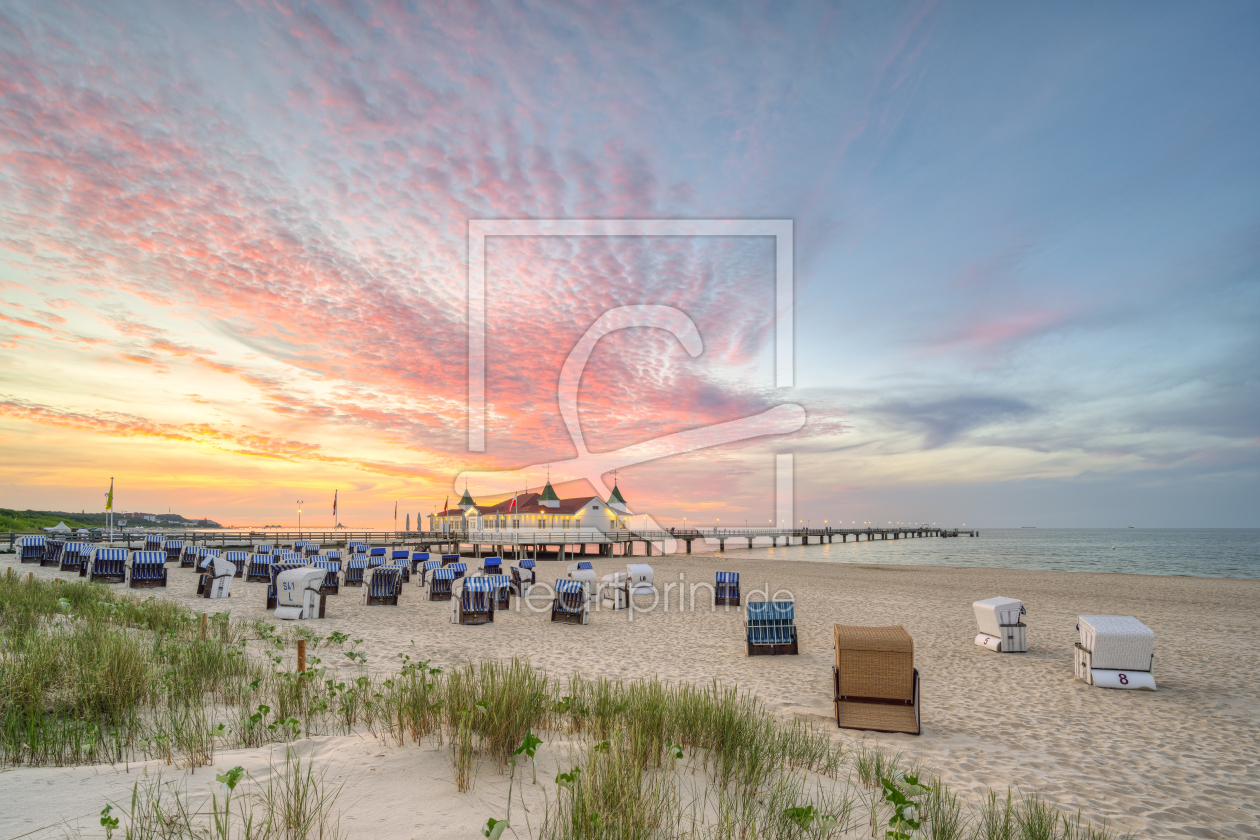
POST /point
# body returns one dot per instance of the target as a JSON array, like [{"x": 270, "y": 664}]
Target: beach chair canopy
[
  {"x": 527, "y": 563},
  {"x": 1117, "y": 642},
  {"x": 31, "y": 542},
  {"x": 430, "y": 565},
  {"x": 771, "y": 611},
  {"x": 728, "y": 577},
  {"x": 565, "y": 586},
  {"x": 174, "y": 544},
  {"x": 458, "y": 567},
  {"x": 419, "y": 555},
  {"x": 450, "y": 556},
  {"x": 148, "y": 558},
  {"x": 875, "y": 662},
  {"x": 333, "y": 554},
  {"x": 478, "y": 584},
  {"x": 109, "y": 555},
  {"x": 236, "y": 556},
  {"x": 377, "y": 552},
  {"x": 496, "y": 581},
  {"x": 356, "y": 563},
  {"x": 443, "y": 574},
  {"x": 401, "y": 554}
]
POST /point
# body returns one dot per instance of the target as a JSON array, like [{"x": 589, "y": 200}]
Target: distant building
[{"x": 536, "y": 512}]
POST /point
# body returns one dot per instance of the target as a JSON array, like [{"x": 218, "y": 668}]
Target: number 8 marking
[{"x": 1124, "y": 679}]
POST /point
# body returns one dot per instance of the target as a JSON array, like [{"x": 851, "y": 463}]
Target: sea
[{"x": 1197, "y": 552}]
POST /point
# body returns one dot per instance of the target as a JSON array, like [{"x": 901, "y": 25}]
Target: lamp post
[{"x": 299, "y": 504}]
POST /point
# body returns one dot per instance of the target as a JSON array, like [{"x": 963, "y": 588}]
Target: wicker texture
[
  {"x": 1118, "y": 642},
  {"x": 875, "y": 662},
  {"x": 877, "y": 717}
]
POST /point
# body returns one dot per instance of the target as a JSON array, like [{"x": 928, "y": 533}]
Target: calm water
[{"x": 1207, "y": 552}]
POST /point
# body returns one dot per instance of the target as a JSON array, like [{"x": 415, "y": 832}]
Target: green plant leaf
[
  {"x": 494, "y": 828},
  {"x": 530, "y": 745}
]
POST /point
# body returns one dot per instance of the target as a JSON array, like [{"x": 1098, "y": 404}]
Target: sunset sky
[{"x": 233, "y": 254}]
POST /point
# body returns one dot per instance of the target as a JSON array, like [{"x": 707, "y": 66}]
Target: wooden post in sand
[
  {"x": 56, "y": 581},
  {"x": 301, "y": 656},
  {"x": 203, "y": 625},
  {"x": 30, "y": 577}
]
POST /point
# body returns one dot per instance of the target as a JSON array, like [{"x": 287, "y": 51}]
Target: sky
[{"x": 1026, "y": 251}]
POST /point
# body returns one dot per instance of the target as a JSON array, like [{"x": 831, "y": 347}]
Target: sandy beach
[{"x": 1177, "y": 762}]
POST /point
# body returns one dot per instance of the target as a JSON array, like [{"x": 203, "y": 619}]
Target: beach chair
[
  {"x": 472, "y": 601},
  {"x": 1001, "y": 629},
  {"x": 276, "y": 570},
  {"x": 376, "y": 557},
  {"x": 383, "y": 587},
  {"x": 571, "y": 604},
  {"x": 299, "y": 546},
  {"x": 286, "y": 557},
  {"x": 52, "y": 553},
  {"x": 259, "y": 568},
  {"x": 216, "y": 580},
  {"x": 403, "y": 565},
  {"x": 418, "y": 557},
  {"x": 581, "y": 564},
  {"x": 1115, "y": 651},
  {"x": 109, "y": 565},
  {"x": 527, "y": 563},
  {"x": 614, "y": 591},
  {"x": 188, "y": 557},
  {"x": 72, "y": 556},
  {"x": 522, "y": 580},
  {"x": 426, "y": 568},
  {"x": 148, "y": 569},
  {"x": 448, "y": 559},
  {"x": 440, "y": 585},
  {"x": 492, "y": 566},
  {"x": 332, "y": 568},
  {"x": 639, "y": 579},
  {"x": 333, "y": 554},
  {"x": 585, "y": 574},
  {"x": 32, "y": 548},
  {"x": 875, "y": 682},
  {"x": 153, "y": 542},
  {"x": 264, "y": 548},
  {"x": 769, "y": 629},
  {"x": 205, "y": 558},
  {"x": 501, "y": 586},
  {"x": 726, "y": 592},
  {"x": 311, "y": 549},
  {"x": 355, "y": 567},
  {"x": 460, "y": 569},
  {"x": 357, "y": 547},
  {"x": 299, "y": 593},
  {"x": 173, "y": 549},
  {"x": 240, "y": 559}
]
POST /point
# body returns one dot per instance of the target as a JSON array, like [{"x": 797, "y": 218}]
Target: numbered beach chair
[
  {"x": 332, "y": 570},
  {"x": 376, "y": 557},
  {"x": 259, "y": 568},
  {"x": 876, "y": 684},
  {"x": 216, "y": 580},
  {"x": 492, "y": 566},
  {"x": 1000, "y": 625},
  {"x": 572, "y": 604},
  {"x": 52, "y": 553},
  {"x": 109, "y": 565},
  {"x": 239, "y": 559},
  {"x": 501, "y": 586},
  {"x": 440, "y": 585},
  {"x": 173, "y": 549},
  {"x": 72, "y": 556},
  {"x": 32, "y": 548},
  {"x": 473, "y": 601},
  {"x": 355, "y": 568},
  {"x": 427, "y": 567},
  {"x": 276, "y": 569},
  {"x": 770, "y": 628},
  {"x": 148, "y": 569},
  {"x": 726, "y": 590},
  {"x": 383, "y": 587},
  {"x": 1115, "y": 651}
]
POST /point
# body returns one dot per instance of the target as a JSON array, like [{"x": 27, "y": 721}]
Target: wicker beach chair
[
  {"x": 240, "y": 559},
  {"x": 264, "y": 548},
  {"x": 418, "y": 557},
  {"x": 875, "y": 681},
  {"x": 52, "y": 553},
  {"x": 383, "y": 587},
  {"x": 472, "y": 601},
  {"x": 460, "y": 569},
  {"x": 259, "y": 568},
  {"x": 109, "y": 565},
  {"x": 356, "y": 566},
  {"x": 1115, "y": 651},
  {"x": 426, "y": 568},
  {"x": 571, "y": 604},
  {"x": 492, "y": 566},
  {"x": 332, "y": 570},
  {"x": 32, "y": 548},
  {"x": 72, "y": 555},
  {"x": 153, "y": 542},
  {"x": 376, "y": 557},
  {"x": 148, "y": 569},
  {"x": 206, "y": 557},
  {"x": 311, "y": 550},
  {"x": 188, "y": 557},
  {"x": 1000, "y": 625},
  {"x": 216, "y": 580},
  {"x": 501, "y": 585},
  {"x": 402, "y": 564},
  {"x": 726, "y": 592},
  {"x": 440, "y": 585},
  {"x": 173, "y": 549},
  {"x": 770, "y": 629},
  {"x": 522, "y": 580}
]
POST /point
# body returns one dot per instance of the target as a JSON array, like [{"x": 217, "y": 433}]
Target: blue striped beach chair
[
  {"x": 585, "y": 564},
  {"x": 258, "y": 568},
  {"x": 769, "y": 628},
  {"x": 299, "y": 545},
  {"x": 727, "y": 589},
  {"x": 403, "y": 564},
  {"x": 475, "y": 602},
  {"x": 418, "y": 557},
  {"x": 205, "y": 558},
  {"x": 276, "y": 569},
  {"x": 376, "y": 557},
  {"x": 383, "y": 587},
  {"x": 492, "y": 566},
  {"x": 427, "y": 567},
  {"x": 286, "y": 557},
  {"x": 570, "y": 605},
  {"x": 264, "y": 548},
  {"x": 332, "y": 568},
  {"x": 311, "y": 549},
  {"x": 240, "y": 559},
  {"x": 173, "y": 549},
  {"x": 153, "y": 542},
  {"x": 52, "y": 553},
  {"x": 448, "y": 559},
  {"x": 72, "y": 555},
  {"x": 357, "y": 547},
  {"x": 355, "y": 569},
  {"x": 527, "y": 563},
  {"x": 109, "y": 565},
  {"x": 188, "y": 557},
  {"x": 32, "y": 549},
  {"x": 502, "y": 587},
  {"x": 460, "y": 569},
  {"x": 148, "y": 569},
  {"x": 440, "y": 585}
]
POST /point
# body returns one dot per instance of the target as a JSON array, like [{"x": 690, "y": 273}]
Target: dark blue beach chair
[
  {"x": 109, "y": 565},
  {"x": 32, "y": 549},
  {"x": 355, "y": 569},
  {"x": 769, "y": 628},
  {"x": 240, "y": 559},
  {"x": 440, "y": 585},
  {"x": 52, "y": 553},
  {"x": 570, "y": 605},
  {"x": 476, "y": 601},
  {"x": 148, "y": 569},
  {"x": 727, "y": 589},
  {"x": 383, "y": 586},
  {"x": 173, "y": 549}
]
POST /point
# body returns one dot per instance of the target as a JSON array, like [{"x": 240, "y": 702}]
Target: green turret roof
[
  {"x": 467, "y": 500},
  {"x": 616, "y": 496},
  {"x": 548, "y": 494}
]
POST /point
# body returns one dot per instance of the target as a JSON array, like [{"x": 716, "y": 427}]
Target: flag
[
  {"x": 512, "y": 505},
  {"x": 109, "y": 497},
  {"x": 334, "y": 503},
  {"x": 446, "y": 505},
  {"x": 395, "y": 516}
]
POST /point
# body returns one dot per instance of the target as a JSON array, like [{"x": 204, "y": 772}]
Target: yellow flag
[{"x": 109, "y": 497}]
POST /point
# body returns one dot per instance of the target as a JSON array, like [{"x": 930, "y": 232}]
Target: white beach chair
[
  {"x": 613, "y": 591},
  {"x": 298, "y": 593},
  {"x": 1000, "y": 627},
  {"x": 1115, "y": 651},
  {"x": 216, "y": 580},
  {"x": 583, "y": 571},
  {"x": 640, "y": 578}
]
